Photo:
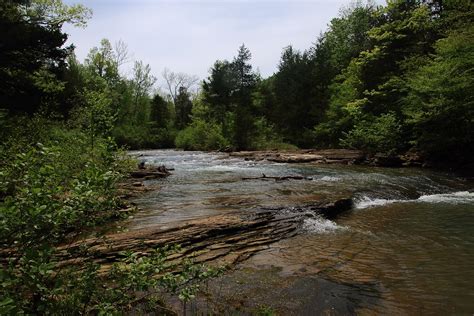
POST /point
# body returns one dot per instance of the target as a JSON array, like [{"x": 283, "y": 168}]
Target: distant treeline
[{"x": 384, "y": 79}]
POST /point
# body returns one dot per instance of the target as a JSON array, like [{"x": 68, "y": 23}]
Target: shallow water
[{"x": 409, "y": 236}]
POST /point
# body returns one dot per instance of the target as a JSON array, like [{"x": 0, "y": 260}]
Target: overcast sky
[{"x": 188, "y": 36}]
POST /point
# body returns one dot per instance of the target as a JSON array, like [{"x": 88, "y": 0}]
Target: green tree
[
  {"x": 245, "y": 83},
  {"x": 300, "y": 92},
  {"x": 228, "y": 95},
  {"x": 160, "y": 113},
  {"x": 183, "y": 107},
  {"x": 375, "y": 82},
  {"x": 32, "y": 56},
  {"x": 440, "y": 105},
  {"x": 217, "y": 94},
  {"x": 102, "y": 62},
  {"x": 292, "y": 86},
  {"x": 141, "y": 85}
]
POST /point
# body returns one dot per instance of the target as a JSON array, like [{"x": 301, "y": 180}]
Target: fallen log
[
  {"x": 148, "y": 173},
  {"x": 265, "y": 177}
]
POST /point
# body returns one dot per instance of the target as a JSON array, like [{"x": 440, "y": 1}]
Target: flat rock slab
[
  {"x": 342, "y": 156},
  {"x": 221, "y": 239}
]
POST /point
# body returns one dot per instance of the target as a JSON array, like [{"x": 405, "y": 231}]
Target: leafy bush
[
  {"x": 133, "y": 137},
  {"x": 35, "y": 284},
  {"x": 139, "y": 137},
  {"x": 56, "y": 185},
  {"x": 265, "y": 137},
  {"x": 162, "y": 137},
  {"x": 201, "y": 135},
  {"x": 381, "y": 134}
]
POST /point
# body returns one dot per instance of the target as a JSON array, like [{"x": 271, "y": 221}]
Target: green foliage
[
  {"x": 246, "y": 81},
  {"x": 202, "y": 135},
  {"x": 101, "y": 62},
  {"x": 55, "y": 12},
  {"x": 347, "y": 35},
  {"x": 410, "y": 87},
  {"x": 139, "y": 137},
  {"x": 118, "y": 106},
  {"x": 49, "y": 189},
  {"x": 31, "y": 58},
  {"x": 43, "y": 287},
  {"x": 56, "y": 187},
  {"x": 218, "y": 89},
  {"x": 298, "y": 95},
  {"x": 403, "y": 66},
  {"x": 440, "y": 105},
  {"x": 293, "y": 111},
  {"x": 134, "y": 137},
  {"x": 227, "y": 93},
  {"x": 375, "y": 134},
  {"x": 264, "y": 310},
  {"x": 52, "y": 187},
  {"x": 160, "y": 115},
  {"x": 161, "y": 132},
  {"x": 161, "y": 137},
  {"x": 264, "y": 137},
  {"x": 183, "y": 106},
  {"x": 141, "y": 84},
  {"x": 379, "y": 79}
]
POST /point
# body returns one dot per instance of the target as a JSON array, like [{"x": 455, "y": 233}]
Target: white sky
[{"x": 189, "y": 36}]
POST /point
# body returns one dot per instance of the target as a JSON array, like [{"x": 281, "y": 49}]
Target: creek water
[{"x": 406, "y": 247}]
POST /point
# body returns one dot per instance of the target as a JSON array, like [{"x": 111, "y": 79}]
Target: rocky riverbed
[
  {"x": 260, "y": 212},
  {"x": 302, "y": 232}
]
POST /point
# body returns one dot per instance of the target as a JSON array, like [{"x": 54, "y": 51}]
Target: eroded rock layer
[{"x": 222, "y": 239}]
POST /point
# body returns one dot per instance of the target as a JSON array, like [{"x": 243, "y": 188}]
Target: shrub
[
  {"x": 381, "y": 134},
  {"x": 201, "y": 135},
  {"x": 131, "y": 136},
  {"x": 265, "y": 137},
  {"x": 35, "y": 284},
  {"x": 58, "y": 185}
]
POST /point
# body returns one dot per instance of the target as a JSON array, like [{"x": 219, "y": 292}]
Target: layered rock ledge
[
  {"x": 332, "y": 156},
  {"x": 222, "y": 239}
]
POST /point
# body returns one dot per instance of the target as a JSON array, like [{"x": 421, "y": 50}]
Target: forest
[
  {"x": 384, "y": 79},
  {"x": 388, "y": 79}
]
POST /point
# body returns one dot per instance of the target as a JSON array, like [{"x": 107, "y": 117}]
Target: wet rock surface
[
  {"x": 335, "y": 156},
  {"x": 342, "y": 156},
  {"x": 379, "y": 259},
  {"x": 150, "y": 172},
  {"x": 220, "y": 240}
]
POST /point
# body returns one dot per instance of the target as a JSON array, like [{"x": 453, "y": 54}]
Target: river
[{"x": 406, "y": 247}]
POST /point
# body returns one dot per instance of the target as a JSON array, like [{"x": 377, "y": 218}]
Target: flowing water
[{"x": 407, "y": 247}]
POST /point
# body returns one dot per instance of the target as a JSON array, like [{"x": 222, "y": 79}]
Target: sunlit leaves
[{"x": 55, "y": 12}]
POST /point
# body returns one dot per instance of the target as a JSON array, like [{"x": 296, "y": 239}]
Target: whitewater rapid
[{"x": 460, "y": 197}]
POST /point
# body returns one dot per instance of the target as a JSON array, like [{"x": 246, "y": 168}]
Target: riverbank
[
  {"x": 332, "y": 156},
  {"x": 354, "y": 157}
]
